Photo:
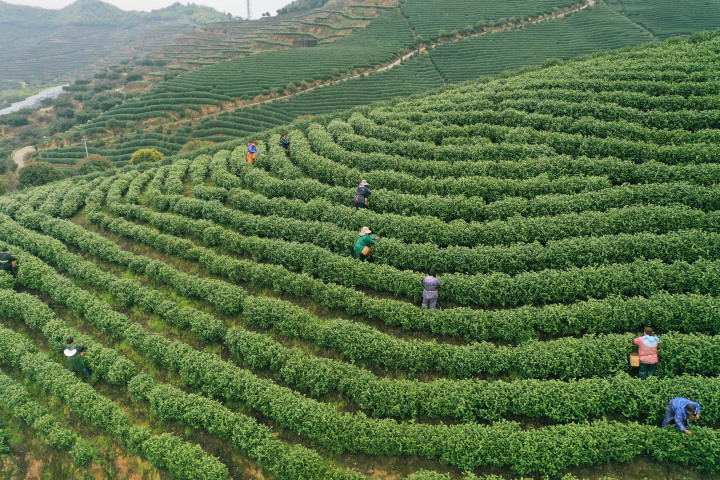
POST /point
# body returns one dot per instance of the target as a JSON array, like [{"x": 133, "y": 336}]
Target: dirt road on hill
[{"x": 19, "y": 156}]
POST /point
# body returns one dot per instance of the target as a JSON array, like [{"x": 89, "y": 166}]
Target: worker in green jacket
[
  {"x": 362, "y": 246},
  {"x": 74, "y": 353}
]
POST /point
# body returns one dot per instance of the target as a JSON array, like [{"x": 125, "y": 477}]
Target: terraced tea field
[
  {"x": 481, "y": 38},
  {"x": 232, "y": 334}
]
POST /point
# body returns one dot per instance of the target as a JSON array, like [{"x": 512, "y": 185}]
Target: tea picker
[
  {"x": 362, "y": 192},
  {"x": 362, "y": 246},
  {"x": 74, "y": 353},
  {"x": 647, "y": 358},
  {"x": 8, "y": 262},
  {"x": 430, "y": 290},
  {"x": 681, "y": 411},
  {"x": 252, "y": 152}
]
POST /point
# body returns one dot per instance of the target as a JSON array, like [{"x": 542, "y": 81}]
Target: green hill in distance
[
  {"x": 42, "y": 46},
  {"x": 232, "y": 334}
]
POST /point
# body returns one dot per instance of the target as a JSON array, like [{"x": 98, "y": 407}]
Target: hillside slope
[
  {"x": 232, "y": 334},
  {"x": 41, "y": 46},
  {"x": 233, "y": 97}
]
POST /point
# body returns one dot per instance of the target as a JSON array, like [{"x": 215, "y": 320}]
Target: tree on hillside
[
  {"x": 30, "y": 134},
  {"x": 94, "y": 163},
  {"x": 16, "y": 119},
  {"x": 38, "y": 173},
  {"x": 114, "y": 125},
  {"x": 146, "y": 155}
]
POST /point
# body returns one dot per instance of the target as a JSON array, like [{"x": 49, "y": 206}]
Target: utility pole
[
  {"x": 85, "y": 139},
  {"x": 249, "y": 15}
]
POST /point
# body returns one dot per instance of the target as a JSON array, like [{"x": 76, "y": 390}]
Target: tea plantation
[
  {"x": 465, "y": 40},
  {"x": 232, "y": 334}
]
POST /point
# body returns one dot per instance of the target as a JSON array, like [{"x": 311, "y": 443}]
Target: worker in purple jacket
[
  {"x": 430, "y": 293},
  {"x": 681, "y": 411}
]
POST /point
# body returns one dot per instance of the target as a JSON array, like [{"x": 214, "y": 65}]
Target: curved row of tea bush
[
  {"x": 328, "y": 143},
  {"x": 105, "y": 363},
  {"x": 549, "y": 286},
  {"x": 695, "y": 312},
  {"x": 263, "y": 351},
  {"x": 16, "y": 398},
  {"x": 472, "y": 400},
  {"x": 182, "y": 459},
  {"x": 226, "y": 298},
  {"x": 348, "y": 432},
  {"x": 519, "y": 260}
]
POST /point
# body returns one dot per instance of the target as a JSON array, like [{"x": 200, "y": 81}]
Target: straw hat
[{"x": 365, "y": 231}]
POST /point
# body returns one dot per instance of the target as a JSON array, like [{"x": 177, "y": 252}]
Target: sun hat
[
  {"x": 365, "y": 231},
  {"x": 363, "y": 183}
]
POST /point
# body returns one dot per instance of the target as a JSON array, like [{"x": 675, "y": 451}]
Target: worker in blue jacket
[{"x": 681, "y": 411}]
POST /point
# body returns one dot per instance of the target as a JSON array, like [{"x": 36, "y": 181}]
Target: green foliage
[
  {"x": 15, "y": 397},
  {"x": 195, "y": 145},
  {"x": 566, "y": 209},
  {"x": 94, "y": 163},
  {"x": 423, "y": 14},
  {"x": 180, "y": 458},
  {"x": 15, "y": 119},
  {"x": 300, "y": 5},
  {"x": 671, "y": 18},
  {"x": 38, "y": 173},
  {"x": 590, "y": 30},
  {"x": 242, "y": 431},
  {"x": 7, "y": 280},
  {"x": 146, "y": 155}
]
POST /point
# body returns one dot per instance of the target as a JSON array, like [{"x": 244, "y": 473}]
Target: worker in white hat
[
  {"x": 361, "y": 195},
  {"x": 362, "y": 246}
]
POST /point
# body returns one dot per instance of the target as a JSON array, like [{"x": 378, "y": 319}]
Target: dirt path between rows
[{"x": 19, "y": 155}]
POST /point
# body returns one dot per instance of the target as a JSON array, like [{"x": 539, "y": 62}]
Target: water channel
[{"x": 33, "y": 101}]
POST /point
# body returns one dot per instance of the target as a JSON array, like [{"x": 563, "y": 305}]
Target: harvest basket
[{"x": 634, "y": 359}]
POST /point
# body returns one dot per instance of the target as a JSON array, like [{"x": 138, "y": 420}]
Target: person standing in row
[
  {"x": 285, "y": 143},
  {"x": 74, "y": 353},
  {"x": 361, "y": 195},
  {"x": 681, "y": 411},
  {"x": 647, "y": 347},
  {"x": 430, "y": 290},
  {"x": 252, "y": 152},
  {"x": 362, "y": 246}
]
